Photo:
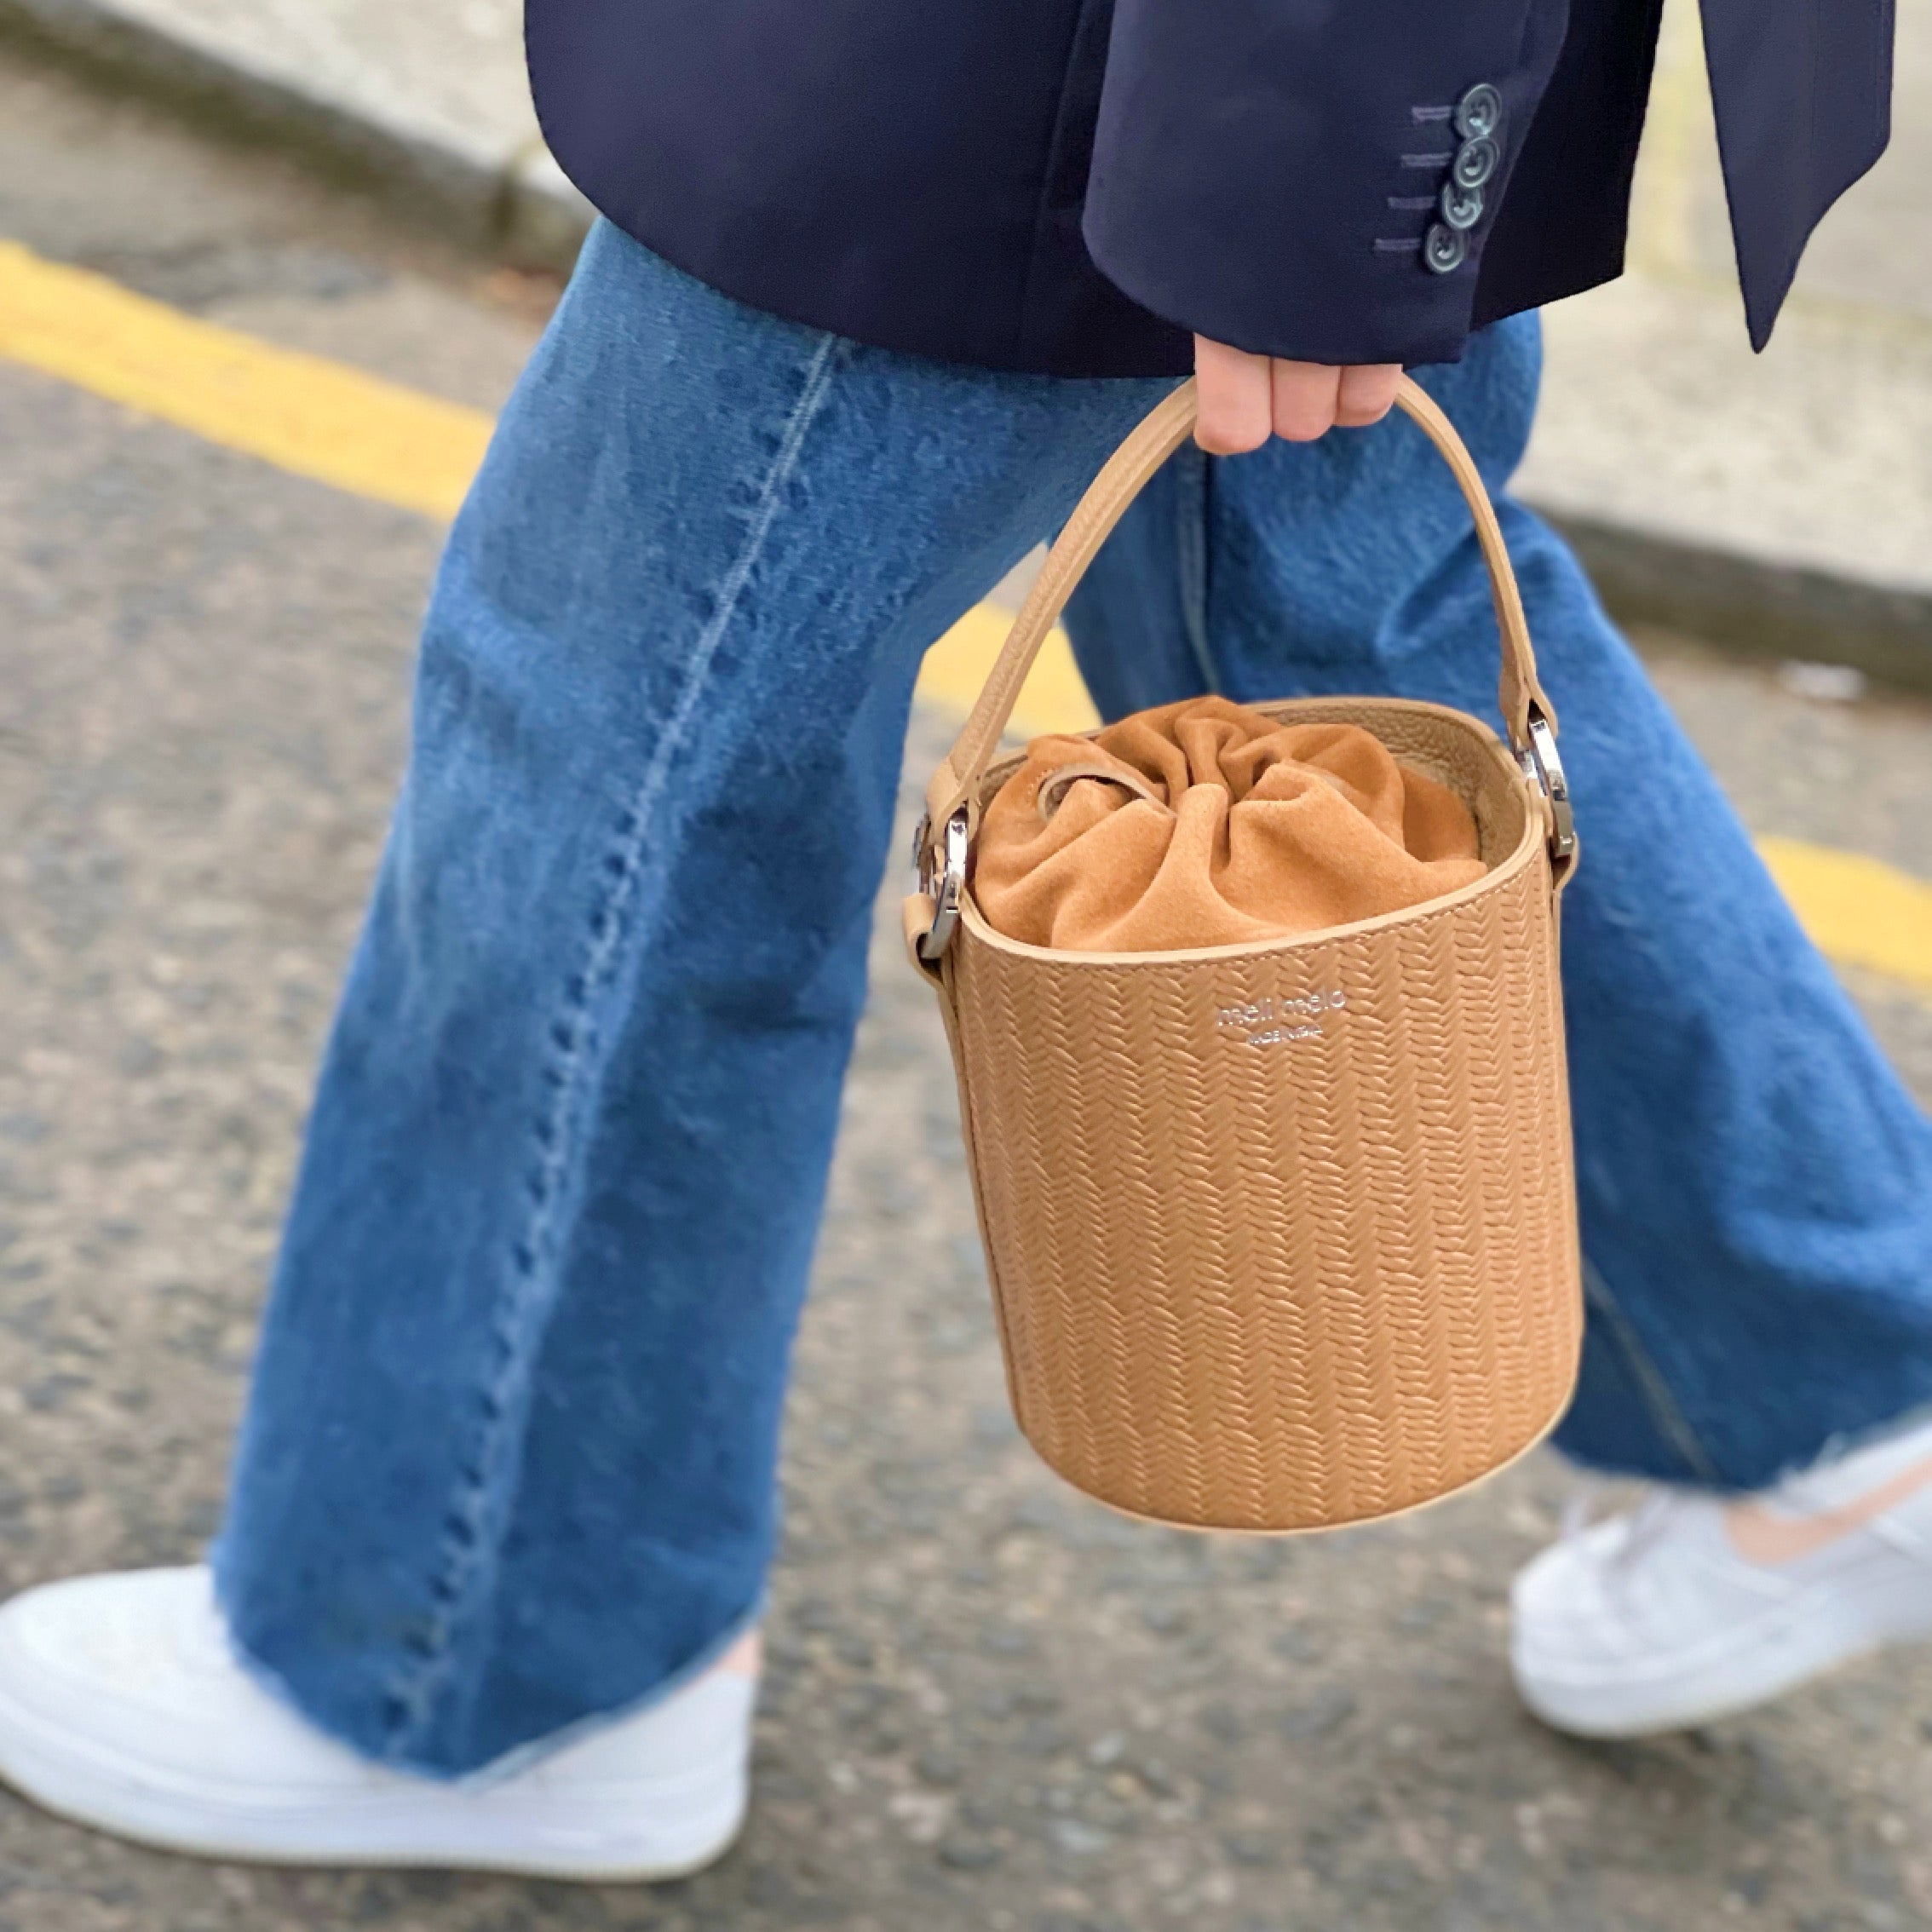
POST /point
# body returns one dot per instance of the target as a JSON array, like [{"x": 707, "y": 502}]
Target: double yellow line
[{"x": 339, "y": 426}]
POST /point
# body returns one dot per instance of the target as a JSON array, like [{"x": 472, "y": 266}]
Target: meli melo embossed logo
[{"x": 1273, "y": 1021}]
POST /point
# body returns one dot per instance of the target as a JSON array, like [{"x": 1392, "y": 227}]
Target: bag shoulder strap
[{"x": 1126, "y": 473}]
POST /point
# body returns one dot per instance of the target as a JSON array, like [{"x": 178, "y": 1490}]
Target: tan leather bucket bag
[{"x": 1281, "y": 1235}]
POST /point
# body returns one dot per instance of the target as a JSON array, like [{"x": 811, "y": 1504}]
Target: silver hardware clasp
[
  {"x": 945, "y": 883},
  {"x": 1544, "y": 767}
]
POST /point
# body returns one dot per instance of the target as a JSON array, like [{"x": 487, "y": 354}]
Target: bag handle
[{"x": 956, "y": 784}]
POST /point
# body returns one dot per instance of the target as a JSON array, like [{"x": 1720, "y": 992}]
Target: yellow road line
[
  {"x": 339, "y": 426},
  {"x": 319, "y": 418},
  {"x": 1859, "y": 911},
  {"x": 1663, "y": 241},
  {"x": 1054, "y": 699}
]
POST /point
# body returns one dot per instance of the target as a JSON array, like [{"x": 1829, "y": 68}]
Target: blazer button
[
  {"x": 1462, "y": 208},
  {"x": 1475, "y": 161},
  {"x": 1479, "y": 113},
  {"x": 1446, "y": 250}
]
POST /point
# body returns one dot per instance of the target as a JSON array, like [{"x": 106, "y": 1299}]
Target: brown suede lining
[{"x": 1205, "y": 823}]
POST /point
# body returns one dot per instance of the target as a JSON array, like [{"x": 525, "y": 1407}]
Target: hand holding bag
[{"x": 1281, "y": 1232}]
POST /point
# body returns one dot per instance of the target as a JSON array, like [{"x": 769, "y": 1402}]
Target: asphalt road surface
[{"x": 990, "y": 1705}]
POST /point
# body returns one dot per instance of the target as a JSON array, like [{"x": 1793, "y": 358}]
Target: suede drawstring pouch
[{"x": 1206, "y": 823}]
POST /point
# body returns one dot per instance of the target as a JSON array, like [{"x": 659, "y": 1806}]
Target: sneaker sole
[{"x": 695, "y": 1818}]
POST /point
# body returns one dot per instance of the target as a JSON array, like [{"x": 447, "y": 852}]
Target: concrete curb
[
  {"x": 516, "y": 202},
  {"x": 1750, "y": 606}
]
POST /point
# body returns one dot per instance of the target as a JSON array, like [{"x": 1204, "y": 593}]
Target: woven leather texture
[{"x": 1285, "y": 1237}]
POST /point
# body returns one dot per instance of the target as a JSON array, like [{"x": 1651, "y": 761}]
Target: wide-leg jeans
[{"x": 508, "y": 1459}]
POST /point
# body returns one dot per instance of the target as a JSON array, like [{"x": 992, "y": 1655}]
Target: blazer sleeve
[{"x": 1312, "y": 178}]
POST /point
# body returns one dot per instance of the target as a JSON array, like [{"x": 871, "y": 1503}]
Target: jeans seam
[
  {"x": 1652, "y": 1384},
  {"x": 486, "y": 1478},
  {"x": 1194, "y": 482}
]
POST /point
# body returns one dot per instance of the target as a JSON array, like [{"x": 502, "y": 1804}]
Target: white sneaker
[
  {"x": 1694, "y": 1606},
  {"x": 121, "y": 1705}
]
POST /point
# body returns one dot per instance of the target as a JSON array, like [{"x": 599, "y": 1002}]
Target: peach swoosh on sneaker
[
  {"x": 1761, "y": 1537},
  {"x": 745, "y": 1657}
]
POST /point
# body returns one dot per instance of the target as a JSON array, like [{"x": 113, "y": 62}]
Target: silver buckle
[
  {"x": 1544, "y": 768},
  {"x": 945, "y": 885}
]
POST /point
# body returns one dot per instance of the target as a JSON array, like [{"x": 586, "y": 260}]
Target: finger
[
  {"x": 1234, "y": 413},
  {"x": 1305, "y": 395},
  {"x": 1367, "y": 393}
]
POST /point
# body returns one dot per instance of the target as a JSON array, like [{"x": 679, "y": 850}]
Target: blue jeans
[{"x": 509, "y": 1462}]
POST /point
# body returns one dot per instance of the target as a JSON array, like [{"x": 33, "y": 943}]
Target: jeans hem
[{"x": 507, "y": 1764}]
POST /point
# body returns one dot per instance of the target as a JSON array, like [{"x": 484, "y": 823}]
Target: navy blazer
[{"x": 1072, "y": 186}]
